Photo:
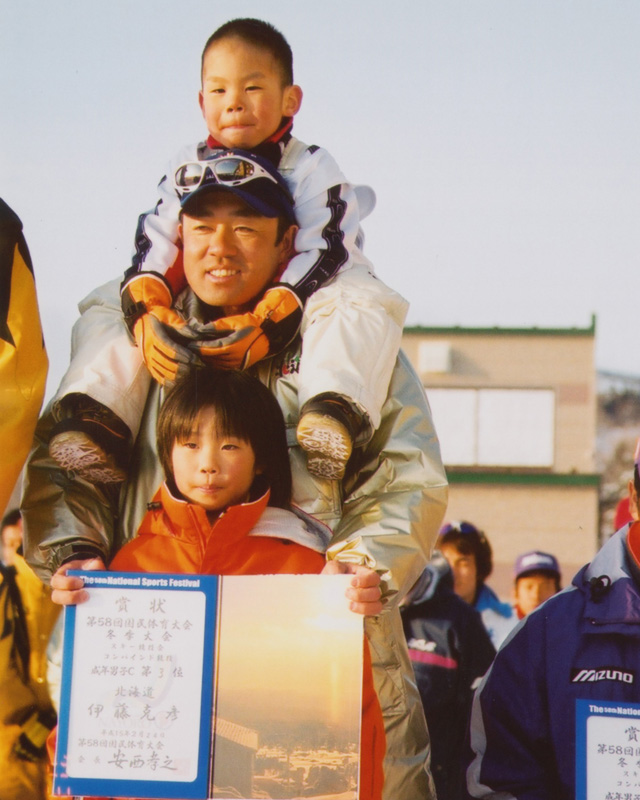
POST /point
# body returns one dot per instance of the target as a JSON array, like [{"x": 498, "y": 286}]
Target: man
[
  {"x": 385, "y": 513},
  {"x": 27, "y": 616},
  {"x": 582, "y": 644}
]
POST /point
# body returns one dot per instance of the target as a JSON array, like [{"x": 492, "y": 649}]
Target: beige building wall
[
  {"x": 503, "y": 359},
  {"x": 557, "y": 519},
  {"x": 520, "y": 509}
]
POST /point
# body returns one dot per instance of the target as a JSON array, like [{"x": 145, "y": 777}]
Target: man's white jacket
[{"x": 385, "y": 514}]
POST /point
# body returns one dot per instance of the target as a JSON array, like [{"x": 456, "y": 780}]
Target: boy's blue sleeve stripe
[{"x": 335, "y": 255}]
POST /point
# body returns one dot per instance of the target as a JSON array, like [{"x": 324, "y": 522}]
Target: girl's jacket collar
[{"x": 253, "y": 518}]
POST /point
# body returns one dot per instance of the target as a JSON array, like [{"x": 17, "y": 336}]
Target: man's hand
[
  {"x": 364, "y": 593},
  {"x": 68, "y": 589},
  {"x": 244, "y": 339}
]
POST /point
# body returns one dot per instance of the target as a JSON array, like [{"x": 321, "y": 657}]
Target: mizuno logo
[
  {"x": 422, "y": 644},
  {"x": 605, "y": 674}
]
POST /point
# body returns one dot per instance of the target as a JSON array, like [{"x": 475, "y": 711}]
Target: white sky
[{"x": 501, "y": 137}]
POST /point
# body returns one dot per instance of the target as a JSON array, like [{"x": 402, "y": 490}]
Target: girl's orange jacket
[{"x": 248, "y": 539}]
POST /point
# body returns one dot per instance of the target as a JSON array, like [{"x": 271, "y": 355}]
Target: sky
[
  {"x": 500, "y": 136},
  {"x": 316, "y": 642}
]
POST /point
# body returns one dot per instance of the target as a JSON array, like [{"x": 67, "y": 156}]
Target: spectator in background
[
  {"x": 23, "y": 360},
  {"x": 584, "y": 645},
  {"x": 27, "y": 616},
  {"x": 536, "y": 578},
  {"x": 623, "y": 514},
  {"x": 25, "y": 709},
  {"x": 627, "y": 508},
  {"x": 471, "y": 560},
  {"x": 450, "y": 651}
]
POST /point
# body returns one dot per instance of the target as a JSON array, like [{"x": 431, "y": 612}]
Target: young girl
[{"x": 225, "y": 507}]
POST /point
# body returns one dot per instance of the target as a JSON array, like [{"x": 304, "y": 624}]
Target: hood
[
  {"x": 611, "y": 593},
  {"x": 436, "y": 578},
  {"x": 610, "y": 560}
]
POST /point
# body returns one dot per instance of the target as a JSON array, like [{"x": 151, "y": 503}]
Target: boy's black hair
[
  {"x": 12, "y": 517},
  {"x": 636, "y": 479},
  {"x": 259, "y": 34},
  {"x": 470, "y": 541},
  {"x": 244, "y": 408}
]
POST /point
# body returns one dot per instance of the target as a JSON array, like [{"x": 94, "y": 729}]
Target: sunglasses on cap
[
  {"x": 225, "y": 171},
  {"x": 458, "y": 527}
]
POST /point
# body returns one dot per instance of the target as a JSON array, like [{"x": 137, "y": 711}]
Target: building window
[
  {"x": 434, "y": 357},
  {"x": 494, "y": 427}
]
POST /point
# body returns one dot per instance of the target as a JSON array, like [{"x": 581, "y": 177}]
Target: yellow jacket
[
  {"x": 19, "y": 701},
  {"x": 23, "y": 360}
]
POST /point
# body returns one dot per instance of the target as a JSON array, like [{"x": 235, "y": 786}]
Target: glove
[
  {"x": 166, "y": 356},
  {"x": 244, "y": 339},
  {"x": 159, "y": 331}
]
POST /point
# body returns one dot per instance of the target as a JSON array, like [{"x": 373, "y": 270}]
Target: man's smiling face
[{"x": 230, "y": 252}]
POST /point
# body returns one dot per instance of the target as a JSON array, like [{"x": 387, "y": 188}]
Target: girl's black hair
[{"x": 244, "y": 408}]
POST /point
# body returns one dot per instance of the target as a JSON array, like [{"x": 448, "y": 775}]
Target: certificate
[
  {"x": 607, "y": 750},
  {"x": 200, "y": 687},
  {"x": 137, "y": 687}
]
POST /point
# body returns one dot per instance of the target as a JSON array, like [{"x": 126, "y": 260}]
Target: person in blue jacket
[{"x": 583, "y": 643}]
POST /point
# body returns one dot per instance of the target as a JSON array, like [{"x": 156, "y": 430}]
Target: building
[
  {"x": 235, "y": 748},
  {"x": 515, "y": 411}
]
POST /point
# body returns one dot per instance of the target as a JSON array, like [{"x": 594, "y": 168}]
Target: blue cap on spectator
[{"x": 535, "y": 561}]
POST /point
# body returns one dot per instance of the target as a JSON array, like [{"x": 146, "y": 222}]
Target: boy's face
[
  {"x": 230, "y": 254},
  {"x": 465, "y": 572},
  {"x": 242, "y": 97},
  {"x": 211, "y": 470},
  {"x": 532, "y": 590}
]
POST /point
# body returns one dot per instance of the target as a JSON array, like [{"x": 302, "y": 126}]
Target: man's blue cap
[{"x": 252, "y": 179}]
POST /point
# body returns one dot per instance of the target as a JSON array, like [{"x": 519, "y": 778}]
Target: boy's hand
[
  {"x": 159, "y": 330},
  {"x": 364, "y": 593},
  {"x": 68, "y": 589},
  {"x": 158, "y": 337},
  {"x": 244, "y": 339}
]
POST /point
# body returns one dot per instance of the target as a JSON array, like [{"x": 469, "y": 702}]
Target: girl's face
[{"x": 211, "y": 470}]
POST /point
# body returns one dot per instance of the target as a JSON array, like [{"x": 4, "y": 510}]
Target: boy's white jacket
[
  {"x": 328, "y": 210},
  {"x": 386, "y": 515}
]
